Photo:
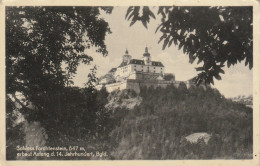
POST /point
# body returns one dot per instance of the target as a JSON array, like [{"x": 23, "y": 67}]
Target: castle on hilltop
[{"x": 136, "y": 73}]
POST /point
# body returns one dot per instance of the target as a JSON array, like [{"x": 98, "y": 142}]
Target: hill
[
  {"x": 159, "y": 126},
  {"x": 169, "y": 123}
]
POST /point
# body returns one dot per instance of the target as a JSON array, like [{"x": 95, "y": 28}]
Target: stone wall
[
  {"x": 143, "y": 76},
  {"x": 137, "y": 84},
  {"x": 114, "y": 86}
]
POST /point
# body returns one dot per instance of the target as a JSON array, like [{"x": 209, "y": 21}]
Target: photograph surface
[{"x": 129, "y": 82}]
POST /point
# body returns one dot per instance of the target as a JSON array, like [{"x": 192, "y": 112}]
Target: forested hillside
[{"x": 154, "y": 128}]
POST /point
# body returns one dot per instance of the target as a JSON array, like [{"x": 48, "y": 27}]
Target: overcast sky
[{"x": 237, "y": 80}]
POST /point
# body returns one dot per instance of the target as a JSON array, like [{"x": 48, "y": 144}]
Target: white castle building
[
  {"x": 144, "y": 65},
  {"x": 135, "y": 73}
]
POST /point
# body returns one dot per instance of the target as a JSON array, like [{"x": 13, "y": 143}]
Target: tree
[
  {"x": 44, "y": 46},
  {"x": 215, "y": 36}
]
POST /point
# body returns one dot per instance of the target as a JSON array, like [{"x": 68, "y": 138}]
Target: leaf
[
  {"x": 128, "y": 11},
  {"x": 250, "y": 65},
  {"x": 228, "y": 64},
  {"x": 180, "y": 46},
  {"x": 199, "y": 68},
  {"x": 191, "y": 58},
  {"x": 184, "y": 48},
  {"x": 170, "y": 42},
  {"x": 175, "y": 41},
  {"x": 131, "y": 15},
  {"x": 166, "y": 41},
  {"x": 162, "y": 37},
  {"x": 210, "y": 79},
  {"x": 145, "y": 24},
  {"x": 133, "y": 21},
  {"x": 158, "y": 27},
  {"x": 217, "y": 76},
  {"x": 151, "y": 14},
  {"x": 221, "y": 71}
]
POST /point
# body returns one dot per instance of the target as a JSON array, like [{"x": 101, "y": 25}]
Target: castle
[{"x": 136, "y": 73}]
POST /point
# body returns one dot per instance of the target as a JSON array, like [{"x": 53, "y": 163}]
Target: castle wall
[
  {"x": 157, "y": 69},
  {"x": 143, "y": 76},
  {"x": 136, "y": 85},
  {"x": 137, "y": 67},
  {"x": 123, "y": 71},
  {"x": 146, "y": 68},
  {"x": 114, "y": 86}
]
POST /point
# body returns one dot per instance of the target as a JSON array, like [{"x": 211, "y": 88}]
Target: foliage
[
  {"x": 168, "y": 77},
  {"x": 92, "y": 79},
  {"x": 213, "y": 35},
  {"x": 44, "y": 46},
  {"x": 133, "y": 14},
  {"x": 76, "y": 115},
  {"x": 41, "y": 41},
  {"x": 83, "y": 121},
  {"x": 81, "y": 112},
  {"x": 156, "y": 129}
]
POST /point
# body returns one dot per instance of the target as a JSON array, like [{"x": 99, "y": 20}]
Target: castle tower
[
  {"x": 147, "y": 57},
  {"x": 126, "y": 57}
]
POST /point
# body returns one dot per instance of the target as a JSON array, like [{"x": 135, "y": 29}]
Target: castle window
[
  {"x": 135, "y": 65},
  {"x": 154, "y": 71},
  {"x": 154, "y": 67}
]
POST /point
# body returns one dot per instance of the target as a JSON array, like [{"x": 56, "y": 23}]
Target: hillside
[
  {"x": 170, "y": 123},
  {"x": 166, "y": 122}
]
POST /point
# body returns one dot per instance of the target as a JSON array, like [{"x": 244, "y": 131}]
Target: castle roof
[
  {"x": 137, "y": 61},
  {"x": 154, "y": 63},
  {"x": 140, "y": 62}
]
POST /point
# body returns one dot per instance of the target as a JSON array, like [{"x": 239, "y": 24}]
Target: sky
[{"x": 237, "y": 80}]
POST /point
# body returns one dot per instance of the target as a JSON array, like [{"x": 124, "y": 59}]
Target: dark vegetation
[
  {"x": 156, "y": 129},
  {"x": 44, "y": 46}
]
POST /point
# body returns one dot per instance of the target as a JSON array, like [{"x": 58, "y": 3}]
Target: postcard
[{"x": 130, "y": 82}]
